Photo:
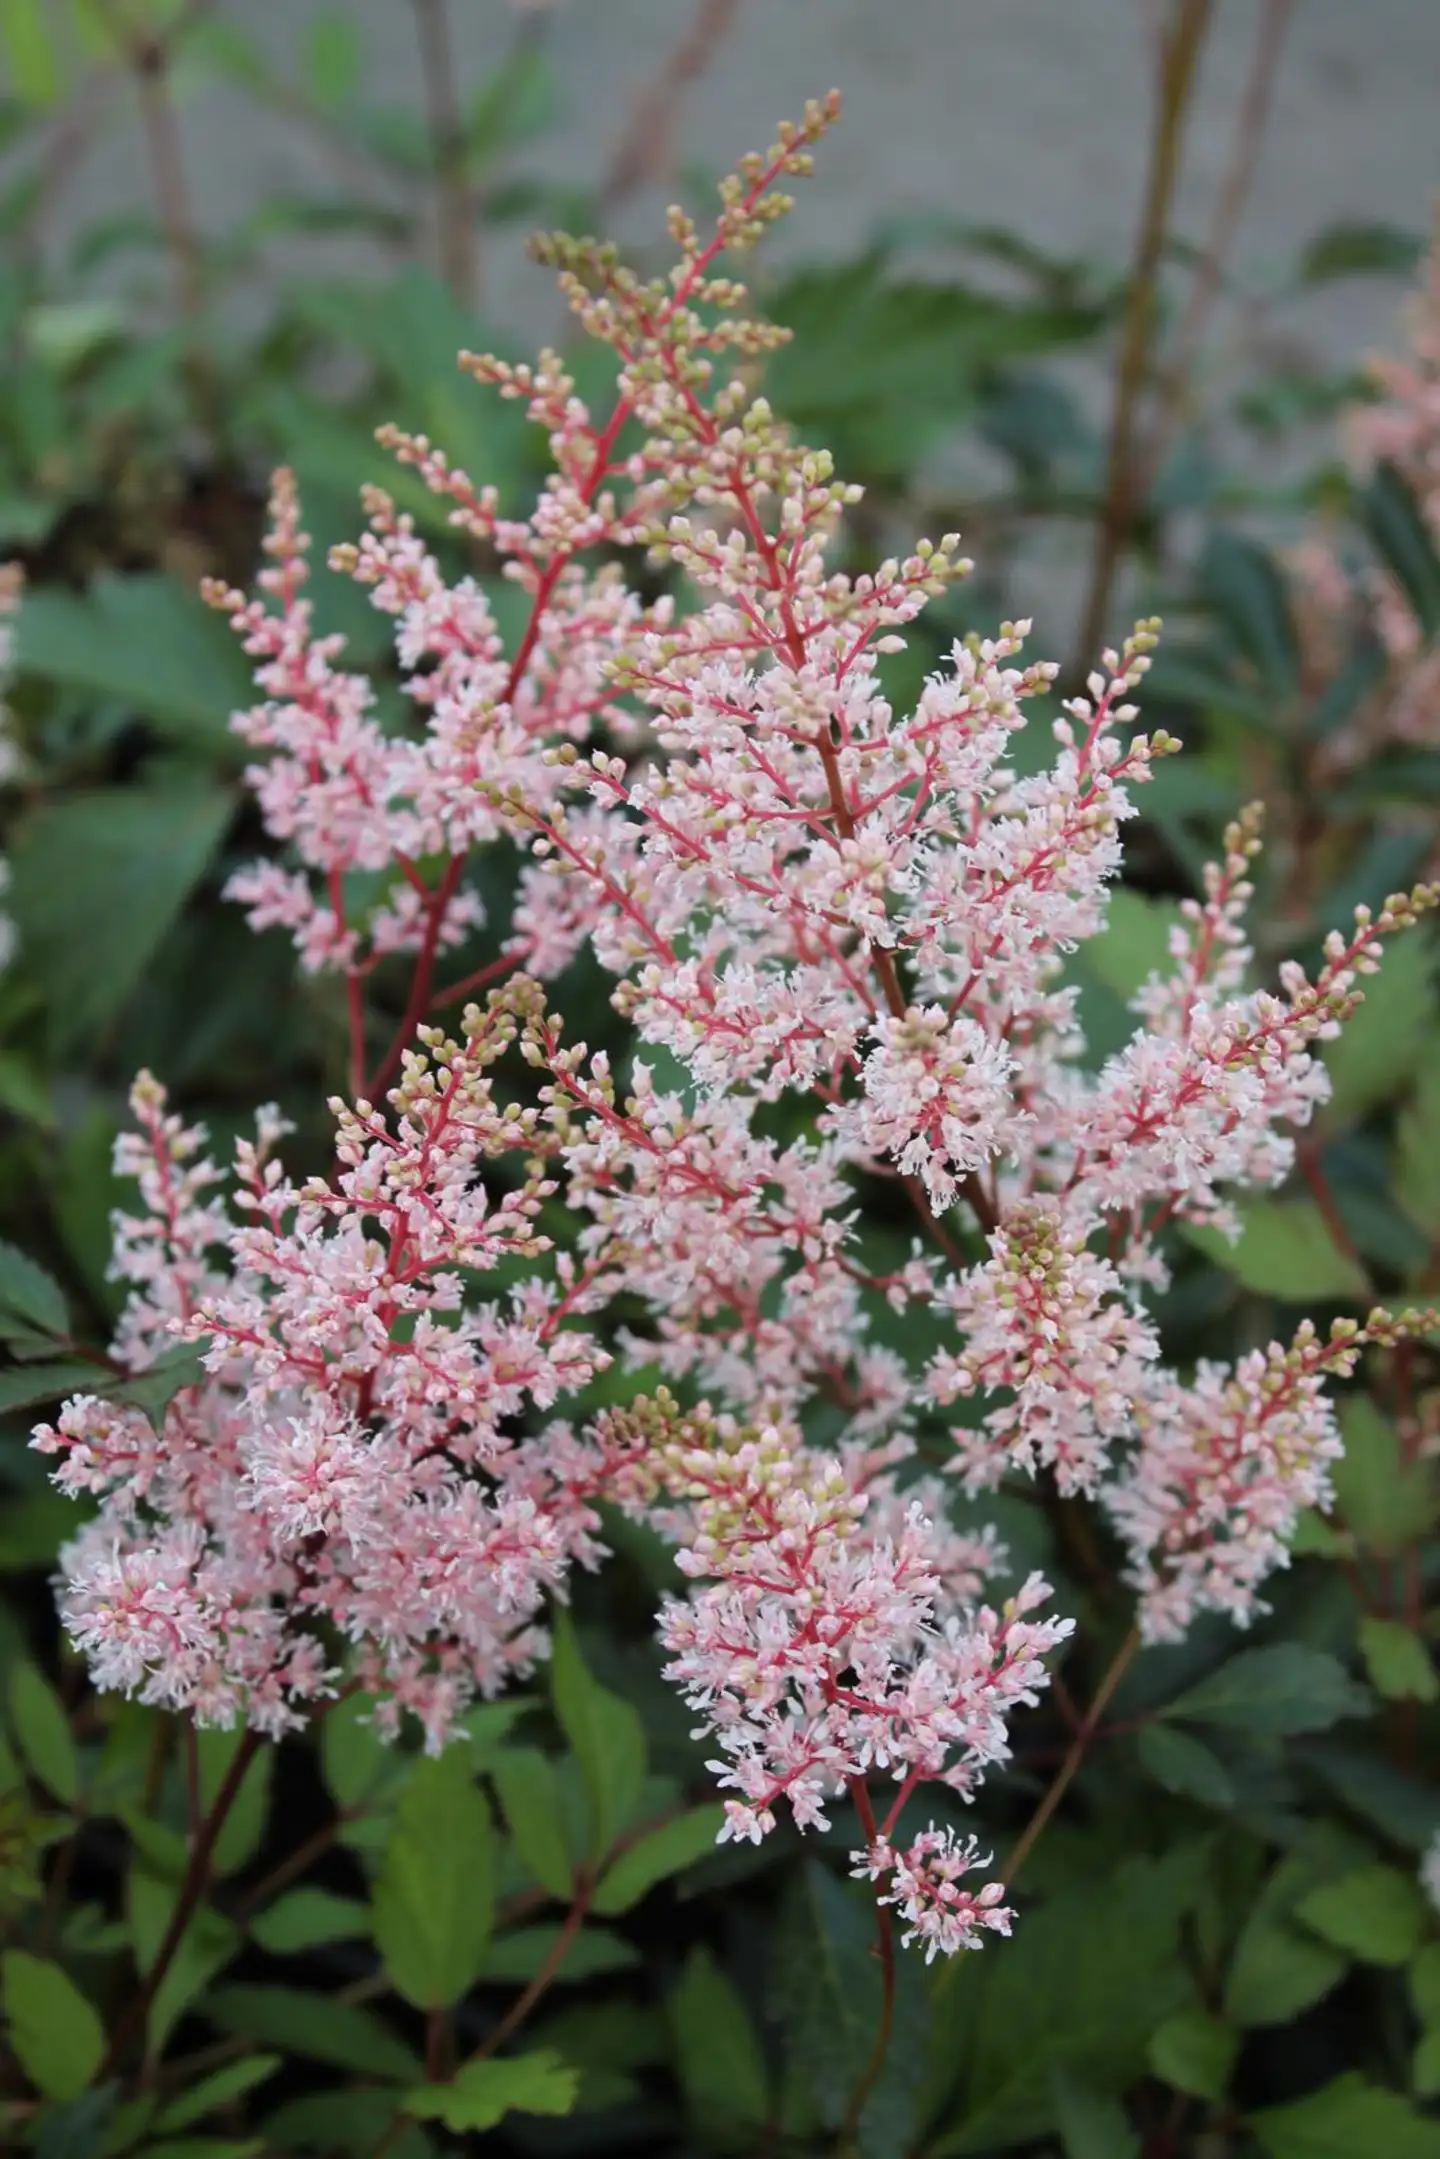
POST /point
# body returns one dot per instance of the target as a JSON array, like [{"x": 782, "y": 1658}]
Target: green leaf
[
  {"x": 1180, "y": 1763},
  {"x": 717, "y": 2052},
  {"x": 42, "y": 1733},
  {"x": 207, "y": 2148},
  {"x": 1386, "y": 1501},
  {"x": 218, "y": 2090},
  {"x": 606, "y": 1735},
  {"x": 530, "y": 1801},
  {"x": 298, "y": 2022},
  {"x": 1360, "y": 248},
  {"x": 1398, "y": 1662},
  {"x": 209, "y": 1943},
  {"x": 350, "y": 2120},
  {"x": 1091, "y": 2125},
  {"x": 99, "y": 880},
  {"x": 33, "y": 1312},
  {"x": 154, "y": 1389},
  {"x": 517, "y": 1957},
  {"x": 1397, "y": 526},
  {"x": 359, "y": 1768},
  {"x": 244, "y": 1826},
  {"x": 1277, "y": 1969},
  {"x": 25, "y": 1090},
  {"x": 1243, "y": 585},
  {"x": 657, "y": 1855},
  {"x": 1087, "y": 1980},
  {"x": 1284, "y": 1688},
  {"x": 51, "y": 2029},
  {"x": 309, "y": 1918},
  {"x": 32, "y": 1385},
  {"x": 1195, "y": 2053},
  {"x": 1349, "y": 2119},
  {"x": 333, "y": 59},
  {"x": 1376, "y": 1913},
  {"x": 1424, "y": 1979},
  {"x": 827, "y": 1993},
  {"x": 1284, "y": 1251},
  {"x": 32, "y": 66},
  {"x": 148, "y": 642},
  {"x": 1378, "y": 1050},
  {"x": 1135, "y": 942},
  {"x": 483, "y": 2093},
  {"x": 1425, "y": 2068},
  {"x": 1417, "y": 1160},
  {"x": 434, "y": 1901}
]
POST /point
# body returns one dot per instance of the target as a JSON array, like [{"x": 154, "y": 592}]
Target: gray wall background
[{"x": 1032, "y": 114}]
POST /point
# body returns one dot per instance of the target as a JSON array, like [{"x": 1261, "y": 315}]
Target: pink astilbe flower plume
[{"x": 839, "y": 930}]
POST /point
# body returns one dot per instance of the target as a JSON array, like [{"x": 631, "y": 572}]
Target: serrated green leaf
[
  {"x": 99, "y": 880},
  {"x": 1375, "y": 1913},
  {"x": 1284, "y": 1250},
  {"x": 434, "y": 1901},
  {"x": 1242, "y": 583},
  {"x": 1180, "y": 1763},
  {"x": 51, "y": 2029},
  {"x": 1086, "y": 1981},
  {"x": 1195, "y": 2053},
  {"x": 1135, "y": 942},
  {"x": 147, "y": 641},
  {"x": 1386, "y": 1501},
  {"x": 244, "y": 1826},
  {"x": 1349, "y": 2119},
  {"x": 1092, "y": 2125},
  {"x": 218, "y": 2090},
  {"x": 31, "y": 1386},
  {"x": 307, "y": 1919},
  {"x": 42, "y": 1733},
  {"x": 307, "y": 2024},
  {"x": 827, "y": 1995},
  {"x": 515, "y": 1958},
  {"x": 718, "y": 2056},
  {"x": 1278, "y": 1969},
  {"x": 1283, "y": 1688},
  {"x": 1417, "y": 1159},
  {"x": 654, "y": 1857},
  {"x": 530, "y": 1801},
  {"x": 359, "y": 1767},
  {"x": 1402, "y": 538},
  {"x": 209, "y": 1943},
  {"x": 31, "y": 1301},
  {"x": 607, "y": 1737},
  {"x": 483, "y": 2093},
  {"x": 1397, "y": 1661},
  {"x": 1378, "y": 1050}
]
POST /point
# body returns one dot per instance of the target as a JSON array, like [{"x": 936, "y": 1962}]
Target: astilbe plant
[{"x": 804, "y": 896}]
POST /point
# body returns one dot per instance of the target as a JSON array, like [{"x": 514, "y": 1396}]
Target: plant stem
[
  {"x": 192, "y": 1889},
  {"x": 644, "y": 154},
  {"x": 455, "y": 210},
  {"x": 540, "y": 1985},
  {"x": 884, "y": 2031},
  {"x": 1079, "y": 1748},
  {"x": 1181, "y": 45},
  {"x": 1245, "y": 156}
]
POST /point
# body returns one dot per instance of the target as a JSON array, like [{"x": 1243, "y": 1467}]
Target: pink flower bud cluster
[{"x": 838, "y": 925}]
